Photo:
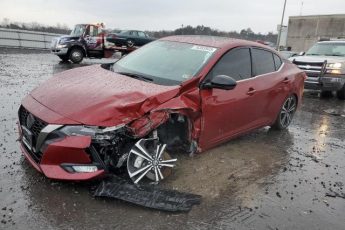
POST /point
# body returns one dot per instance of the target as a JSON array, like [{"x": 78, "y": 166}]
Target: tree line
[
  {"x": 34, "y": 26},
  {"x": 247, "y": 34}
]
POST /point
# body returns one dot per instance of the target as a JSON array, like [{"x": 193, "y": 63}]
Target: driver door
[
  {"x": 94, "y": 40},
  {"x": 226, "y": 113}
]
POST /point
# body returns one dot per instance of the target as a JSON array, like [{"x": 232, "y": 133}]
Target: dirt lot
[{"x": 265, "y": 180}]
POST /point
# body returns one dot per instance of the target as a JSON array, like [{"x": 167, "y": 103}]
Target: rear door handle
[
  {"x": 251, "y": 91},
  {"x": 286, "y": 80}
]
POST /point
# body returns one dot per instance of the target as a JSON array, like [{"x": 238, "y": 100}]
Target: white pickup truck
[{"x": 324, "y": 64}]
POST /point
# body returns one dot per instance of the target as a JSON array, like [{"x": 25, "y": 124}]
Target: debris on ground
[
  {"x": 335, "y": 194},
  {"x": 334, "y": 112},
  {"x": 147, "y": 195}
]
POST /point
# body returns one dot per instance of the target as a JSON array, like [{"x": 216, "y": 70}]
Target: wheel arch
[{"x": 174, "y": 128}]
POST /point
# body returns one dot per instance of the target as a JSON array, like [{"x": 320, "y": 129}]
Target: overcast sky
[{"x": 260, "y": 15}]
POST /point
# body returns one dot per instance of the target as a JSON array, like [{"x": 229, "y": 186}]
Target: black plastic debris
[
  {"x": 335, "y": 194},
  {"x": 334, "y": 112},
  {"x": 147, "y": 195}
]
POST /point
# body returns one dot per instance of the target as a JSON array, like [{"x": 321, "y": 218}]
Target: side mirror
[
  {"x": 301, "y": 53},
  {"x": 220, "y": 82}
]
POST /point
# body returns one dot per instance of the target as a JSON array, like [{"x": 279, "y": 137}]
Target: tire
[
  {"x": 130, "y": 43},
  {"x": 286, "y": 113},
  {"x": 341, "y": 93},
  {"x": 64, "y": 58},
  {"x": 76, "y": 55},
  {"x": 326, "y": 93}
]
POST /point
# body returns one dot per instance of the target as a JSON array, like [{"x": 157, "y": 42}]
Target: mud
[{"x": 264, "y": 180}]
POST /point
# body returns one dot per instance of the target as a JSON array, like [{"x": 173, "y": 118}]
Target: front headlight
[
  {"x": 336, "y": 65},
  {"x": 94, "y": 132},
  {"x": 334, "y": 68},
  {"x": 63, "y": 40}
]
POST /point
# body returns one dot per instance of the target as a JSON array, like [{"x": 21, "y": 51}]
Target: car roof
[{"x": 214, "y": 41}]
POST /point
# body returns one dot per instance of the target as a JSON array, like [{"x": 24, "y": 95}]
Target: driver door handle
[{"x": 251, "y": 91}]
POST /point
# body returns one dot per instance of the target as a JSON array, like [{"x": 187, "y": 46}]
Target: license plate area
[{"x": 27, "y": 137}]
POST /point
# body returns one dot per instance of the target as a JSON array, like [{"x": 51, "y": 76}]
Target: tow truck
[{"x": 86, "y": 41}]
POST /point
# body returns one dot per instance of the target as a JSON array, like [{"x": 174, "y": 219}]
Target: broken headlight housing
[{"x": 95, "y": 132}]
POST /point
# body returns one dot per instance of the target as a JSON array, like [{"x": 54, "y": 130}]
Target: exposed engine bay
[{"x": 150, "y": 157}]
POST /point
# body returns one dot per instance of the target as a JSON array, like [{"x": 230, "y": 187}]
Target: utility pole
[{"x": 281, "y": 26}]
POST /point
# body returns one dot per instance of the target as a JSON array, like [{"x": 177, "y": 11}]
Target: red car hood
[{"x": 95, "y": 96}]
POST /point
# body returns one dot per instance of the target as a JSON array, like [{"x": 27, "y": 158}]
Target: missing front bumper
[{"x": 147, "y": 195}]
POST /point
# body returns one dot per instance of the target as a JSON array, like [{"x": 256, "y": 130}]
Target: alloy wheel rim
[
  {"x": 152, "y": 162},
  {"x": 287, "y": 111},
  {"x": 130, "y": 43},
  {"x": 76, "y": 55}
]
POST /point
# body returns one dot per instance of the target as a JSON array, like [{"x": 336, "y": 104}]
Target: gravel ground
[{"x": 264, "y": 180}]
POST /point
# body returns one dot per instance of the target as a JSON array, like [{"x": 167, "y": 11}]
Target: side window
[
  {"x": 134, "y": 33},
  {"x": 236, "y": 64},
  {"x": 92, "y": 31},
  {"x": 262, "y": 61},
  {"x": 141, "y": 34},
  {"x": 277, "y": 61}
]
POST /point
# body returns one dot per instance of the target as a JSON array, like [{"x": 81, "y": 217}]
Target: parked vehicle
[
  {"x": 324, "y": 64},
  {"x": 288, "y": 54},
  {"x": 85, "y": 40},
  {"x": 129, "y": 38},
  {"x": 180, "y": 93}
]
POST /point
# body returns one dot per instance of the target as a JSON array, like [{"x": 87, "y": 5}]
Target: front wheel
[
  {"x": 341, "y": 93},
  {"x": 63, "y": 58},
  {"x": 286, "y": 113},
  {"x": 76, "y": 55},
  {"x": 149, "y": 159}
]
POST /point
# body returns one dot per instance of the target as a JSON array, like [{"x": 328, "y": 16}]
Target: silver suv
[{"x": 324, "y": 64}]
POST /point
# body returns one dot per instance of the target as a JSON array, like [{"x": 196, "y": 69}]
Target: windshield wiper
[{"x": 136, "y": 76}]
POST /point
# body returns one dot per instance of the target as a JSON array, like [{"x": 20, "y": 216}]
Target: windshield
[
  {"x": 165, "y": 62},
  {"x": 78, "y": 30},
  {"x": 327, "y": 49}
]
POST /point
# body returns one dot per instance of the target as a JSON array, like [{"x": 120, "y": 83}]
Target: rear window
[{"x": 262, "y": 61}]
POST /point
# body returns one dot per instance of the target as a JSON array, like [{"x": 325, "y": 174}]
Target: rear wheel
[
  {"x": 76, "y": 55},
  {"x": 286, "y": 113},
  {"x": 341, "y": 93},
  {"x": 130, "y": 43},
  {"x": 64, "y": 58}
]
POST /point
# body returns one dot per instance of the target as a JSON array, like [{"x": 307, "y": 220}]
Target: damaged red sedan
[{"x": 181, "y": 93}]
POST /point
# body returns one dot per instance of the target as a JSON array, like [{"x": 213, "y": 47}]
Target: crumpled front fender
[
  {"x": 186, "y": 104},
  {"x": 144, "y": 125}
]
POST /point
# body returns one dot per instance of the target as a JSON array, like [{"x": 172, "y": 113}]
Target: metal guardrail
[{"x": 13, "y": 38}]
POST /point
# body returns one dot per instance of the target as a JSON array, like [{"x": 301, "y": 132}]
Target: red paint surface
[
  {"x": 56, "y": 172},
  {"x": 95, "y": 96},
  {"x": 69, "y": 150}
]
